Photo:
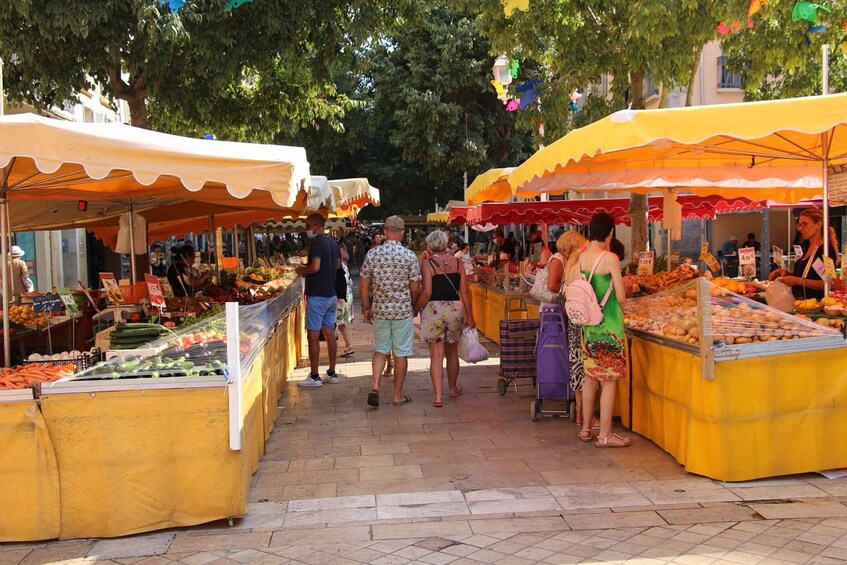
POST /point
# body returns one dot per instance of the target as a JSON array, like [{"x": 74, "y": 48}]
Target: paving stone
[
  {"x": 817, "y": 509},
  {"x": 414, "y": 498},
  {"x": 311, "y": 505},
  {"x": 706, "y": 515},
  {"x": 133, "y": 546},
  {"x": 513, "y": 525},
  {"x": 610, "y": 520},
  {"x": 385, "y": 512},
  {"x": 320, "y": 535},
  {"x": 198, "y": 543},
  {"x": 419, "y": 530}
]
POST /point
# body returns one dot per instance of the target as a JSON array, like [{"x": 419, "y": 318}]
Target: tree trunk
[
  {"x": 637, "y": 202},
  {"x": 695, "y": 66},
  {"x": 138, "y": 111}
]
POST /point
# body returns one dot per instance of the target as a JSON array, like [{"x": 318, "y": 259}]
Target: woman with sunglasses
[{"x": 805, "y": 281}]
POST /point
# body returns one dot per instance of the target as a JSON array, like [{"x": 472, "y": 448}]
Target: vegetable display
[{"x": 25, "y": 376}]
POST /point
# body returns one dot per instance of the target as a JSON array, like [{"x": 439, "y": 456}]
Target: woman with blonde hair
[
  {"x": 445, "y": 308},
  {"x": 568, "y": 247},
  {"x": 805, "y": 281}
]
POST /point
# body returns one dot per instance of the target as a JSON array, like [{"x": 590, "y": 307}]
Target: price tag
[
  {"x": 110, "y": 288},
  {"x": 674, "y": 259},
  {"x": 778, "y": 257},
  {"x": 798, "y": 251},
  {"x": 47, "y": 304},
  {"x": 69, "y": 302},
  {"x": 747, "y": 261},
  {"x": 711, "y": 262},
  {"x": 844, "y": 262},
  {"x": 645, "y": 262},
  {"x": 819, "y": 268},
  {"x": 704, "y": 250},
  {"x": 157, "y": 299},
  {"x": 829, "y": 267}
]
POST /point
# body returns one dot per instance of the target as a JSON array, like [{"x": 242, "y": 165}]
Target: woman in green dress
[{"x": 603, "y": 345}]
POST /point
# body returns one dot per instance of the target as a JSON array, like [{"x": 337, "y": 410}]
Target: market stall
[
  {"x": 162, "y": 436},
  {"x": 716, "y": 377},
  {"x": 741, "y": 407}
]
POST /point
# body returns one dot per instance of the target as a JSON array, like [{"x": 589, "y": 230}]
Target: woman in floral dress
[
  {"x": 603, "y": 345},
  {"x": 443, "y": 314},
  {"x": 344, "y": 313}
]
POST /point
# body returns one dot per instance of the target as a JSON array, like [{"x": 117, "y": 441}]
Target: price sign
[
  {"x": 829, "y": 267},
  {"x": 110, "y": 288},
  {"x": 47, "y": 304},
  {"x": 711, "y": 262},
  {"x": 69, "y": 302},
  {"x": 747, "y": 261},
  {"x": 819, "y": 268},
  {"x": 778, "y": 257},
  {"x": 157, "y": 299},
  {"x": 645, "y": 263},
  {"x": 704, "y": 250},
  {"x": 844, "y": 262},
  {"x": 674, "y": 260}
]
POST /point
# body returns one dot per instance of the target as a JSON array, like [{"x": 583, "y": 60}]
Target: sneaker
[
  {"x": 311, "y": 380},
  {"x": 333, "y": 378}
]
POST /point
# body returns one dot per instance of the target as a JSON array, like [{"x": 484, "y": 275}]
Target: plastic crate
[{"x": 84, "y": 361}]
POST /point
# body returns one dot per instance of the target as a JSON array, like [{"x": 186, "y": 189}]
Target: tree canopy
[{"x": 247, "y": 73}]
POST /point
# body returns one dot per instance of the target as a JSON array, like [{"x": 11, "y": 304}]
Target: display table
[
  {"x": 759, "y": 417},
  {"x": 107, "y": 458},
  {"x": 491, "y": 305}
]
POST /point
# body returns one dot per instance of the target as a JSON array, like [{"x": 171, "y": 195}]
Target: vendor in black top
[
  {"x": 505, "y": 246},
  {"x": 181, "y": 276},
  {"x": 805, "y": 280}
]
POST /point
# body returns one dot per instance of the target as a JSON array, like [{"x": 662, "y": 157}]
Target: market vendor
[
  {"x": 181, "y": 276},
  {"x": 507, "y": 251},
  {"x": 805, "y": 281}
]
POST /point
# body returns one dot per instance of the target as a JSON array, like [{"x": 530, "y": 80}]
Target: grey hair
[{"x": 437, "y": 241}]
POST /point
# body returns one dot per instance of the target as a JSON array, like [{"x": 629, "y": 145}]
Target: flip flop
[
  {"x": 348, "y": 353},
  {"x": 603, "y": 442},
  {"x": 585, "y": 435},
  {"x": 405, "y": 400},
  {"x": 373, "y": 399},
  {"x": 438, "y": 403},
  {"x": 458, "y": 393}
]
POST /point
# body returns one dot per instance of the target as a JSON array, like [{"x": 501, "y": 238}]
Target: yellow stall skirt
[
  {"x": 29, "y": 475},
  {"x": 758, "y": 418}
]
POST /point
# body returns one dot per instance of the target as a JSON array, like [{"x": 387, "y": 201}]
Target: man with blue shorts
[
  {"x": 389, "y": 283},
  {"x": 321, "y": 299}
]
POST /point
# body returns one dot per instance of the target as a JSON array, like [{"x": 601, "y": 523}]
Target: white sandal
[{"x": 604, "y": 441}]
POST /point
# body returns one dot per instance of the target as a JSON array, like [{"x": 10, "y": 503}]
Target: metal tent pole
[
  {"x": 825, "y": 163},
  {"x": 4, "y": 272},
  {"x": 131, "y": 244}
]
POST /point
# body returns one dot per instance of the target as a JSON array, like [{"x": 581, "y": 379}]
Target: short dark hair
[
  {"x": 498, "y": 233},
  {"x": 315, "y": 219},
  {"x": 185, "y": 251},
  {"x": 751, "y": 236},
  {"x": 600, "y": 227},
  {"x": 616, "y": 246}
]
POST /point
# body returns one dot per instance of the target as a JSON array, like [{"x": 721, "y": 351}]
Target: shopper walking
[
  {"x": 389, "y": 284},
  {"x": 445, "y": 308},
  {"x": 321, "y": 299},
  {"x": 603, "y": 345},
  {"x": 568, "y": 249},
  {"x": 344, "y": 292}
]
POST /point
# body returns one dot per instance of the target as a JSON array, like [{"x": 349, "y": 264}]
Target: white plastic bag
[
  {"x": 779, "y": 296},
  {"x": 470, "y": 349}
]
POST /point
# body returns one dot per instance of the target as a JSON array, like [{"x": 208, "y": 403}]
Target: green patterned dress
[{"x": 604, "y": 345}]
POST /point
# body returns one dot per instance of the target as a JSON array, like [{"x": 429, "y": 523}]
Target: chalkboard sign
[{"x": 47, "y": 303}]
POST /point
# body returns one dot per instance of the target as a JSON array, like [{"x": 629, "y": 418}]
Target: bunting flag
[
  {"x": 509, "y": 6},
  {"x": 530, "y": 95},
  {"x": 513, "y": 68},
  {"x": 498, "y": 87},
  {"x": 755, "y": 6},
  {"x": 173, "y": 5},
  {"x": 233, "y": 4},
  {"x": 807, "y": 11},
  {"x": 513, "y": 106}
]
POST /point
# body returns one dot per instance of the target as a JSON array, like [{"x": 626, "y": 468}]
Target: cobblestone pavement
[{"x": 476, "y": 482}]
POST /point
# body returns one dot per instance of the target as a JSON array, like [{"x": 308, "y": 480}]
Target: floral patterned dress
[
  {"x": 604, "y": 345},
  {"x": 344, "y": 314}
]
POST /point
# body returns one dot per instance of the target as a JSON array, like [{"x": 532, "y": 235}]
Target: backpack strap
[{"x": 591, "y": 275}]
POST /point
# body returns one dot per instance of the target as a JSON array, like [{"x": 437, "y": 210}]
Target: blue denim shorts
[{"x": 320, "y": 312}]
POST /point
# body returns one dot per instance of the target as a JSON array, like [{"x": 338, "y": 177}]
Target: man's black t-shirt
[
  {"x": 180, "y": 283},
  {"x": 508, "y": 247},
  {"x": 322, "y": 283}
]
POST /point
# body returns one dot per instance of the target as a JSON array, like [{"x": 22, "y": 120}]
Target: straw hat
[{"x": 16, "y": 251}]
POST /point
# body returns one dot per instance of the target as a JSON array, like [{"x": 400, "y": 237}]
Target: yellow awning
[
  {"x": 765, "y": 150},
  {"x": 440, "y": 217},
  {"x": 491, "y": 186}
]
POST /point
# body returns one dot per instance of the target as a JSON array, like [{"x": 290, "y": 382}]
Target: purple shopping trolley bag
[{"x": 553, "y": 369}]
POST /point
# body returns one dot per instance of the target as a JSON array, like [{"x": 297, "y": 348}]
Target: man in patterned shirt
[{"x": 389, "y": 283}]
